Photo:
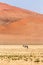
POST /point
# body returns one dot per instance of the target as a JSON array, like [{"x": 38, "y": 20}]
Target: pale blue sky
[{"x": 34, "y": 5}]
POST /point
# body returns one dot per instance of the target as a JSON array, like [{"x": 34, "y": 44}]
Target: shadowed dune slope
[{"x": 20, "y": 26}]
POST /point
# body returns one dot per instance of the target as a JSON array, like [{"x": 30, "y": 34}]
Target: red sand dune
[{"x": 20, "y": 26}]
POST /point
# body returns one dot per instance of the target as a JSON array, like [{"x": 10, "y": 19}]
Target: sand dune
[{"x": 20, "y": 26}]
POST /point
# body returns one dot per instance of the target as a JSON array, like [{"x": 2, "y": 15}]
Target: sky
[{"x": 33, "y": 5}]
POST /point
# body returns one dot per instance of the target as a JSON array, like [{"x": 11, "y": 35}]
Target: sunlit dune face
[{"x": 20, "y": 26}]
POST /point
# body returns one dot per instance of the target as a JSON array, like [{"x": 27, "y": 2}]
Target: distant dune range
[{"x": 20, "y": 26}]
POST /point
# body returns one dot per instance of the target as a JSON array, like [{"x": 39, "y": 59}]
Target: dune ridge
[{"x": 20, "y": 26}]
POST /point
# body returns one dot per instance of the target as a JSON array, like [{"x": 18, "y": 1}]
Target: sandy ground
[
  {"x": 19, "y": 63},
  {"x": 20, "y": 50},
  {"x": 9, "y": 39}
]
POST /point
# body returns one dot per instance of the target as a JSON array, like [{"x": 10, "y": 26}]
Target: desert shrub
[
  {"x": 20, "y": 57},
  {"x": 41, "y": 60},
  {"x": 37, "y": 60},
  {"x": 14, "y": 58},
  {"x": 31, "y": 55},
  {"x": 26, "y": 59}
]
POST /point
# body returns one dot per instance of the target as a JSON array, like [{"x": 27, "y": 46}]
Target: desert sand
[
  {"x": 19, "y": 55},
  {"x": 20, "y": 26}
]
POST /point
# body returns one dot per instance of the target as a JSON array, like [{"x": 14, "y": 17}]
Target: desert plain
[{"x": 21, "y": 55}]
